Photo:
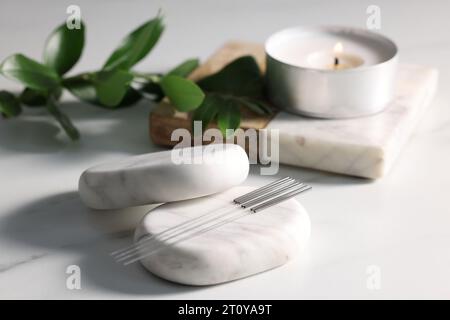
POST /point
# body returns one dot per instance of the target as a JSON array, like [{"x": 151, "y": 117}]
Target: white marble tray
[
  {"x": 365, "y": 147},
  {"x": 238, "y": 249}
]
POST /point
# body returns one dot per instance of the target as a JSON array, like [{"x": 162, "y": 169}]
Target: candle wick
[{"x": 336, "y": 61}]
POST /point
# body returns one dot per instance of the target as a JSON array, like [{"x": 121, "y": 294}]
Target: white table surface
[{"x": 400, "y": 224}]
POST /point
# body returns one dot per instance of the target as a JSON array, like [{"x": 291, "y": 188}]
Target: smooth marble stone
[
  {"x": 165, "y": 176},
  {"x": 241, "y": 248}
]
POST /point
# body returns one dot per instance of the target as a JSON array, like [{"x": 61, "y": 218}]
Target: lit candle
[
  {"x": 330, "y": 72},
  {"x": 335, "y": 59}
]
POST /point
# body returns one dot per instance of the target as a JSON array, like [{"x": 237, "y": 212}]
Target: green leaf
[
  {"x": 229, "y": 116},
  {"x": 83, "y": 88},
  {"x": 29, "y": 72},
  {"x": 63, "y": 48},
  {"x": 268, "y": 109},
  {"x": 136, "y": 45},
  {"x": 241, "y": 81},
  {"x": 185, "y": 69},
  {"x": 153, "y": 89},
  {"x": 111, "y": 86},
  {"x": 33, "y": 98},
  {"x": 241, "y": 77},
  {"x": 207, "y": 110},
  {"x": 63, "y": 120},
  {"x": 256, "y": 106},
  {"x": 184, "y": 94},
  {"x": 36, "y": 98},
  {"x": 9, "y": 104},
  {"x": 131, "y": 97}
]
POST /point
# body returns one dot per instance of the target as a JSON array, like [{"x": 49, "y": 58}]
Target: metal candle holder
[{"x": 300, "y": 80}]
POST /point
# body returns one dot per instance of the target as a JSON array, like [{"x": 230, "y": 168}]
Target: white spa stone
[
  {"x": 238, "y": 249},
  {"x": 164, "y": 176}
]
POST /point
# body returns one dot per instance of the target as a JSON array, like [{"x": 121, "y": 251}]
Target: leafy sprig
[
  {"x": 238, "y": 84},
  {"x": 116, "y": 85}
]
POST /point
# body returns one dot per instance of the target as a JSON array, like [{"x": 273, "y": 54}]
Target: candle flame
[{"x": 338, "y": 48}]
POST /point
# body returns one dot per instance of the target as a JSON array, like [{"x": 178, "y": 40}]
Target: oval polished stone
[
  {"x": 237, "y": 249},
  {"x": 165, "y": 176}
]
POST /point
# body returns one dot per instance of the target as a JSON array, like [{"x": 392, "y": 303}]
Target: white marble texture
[
  {"x": 241, "y": 248},
  {"x": 399, "y": 223},
  {"x": 164, "y": 176},
  {"x": 364, "y": 147}
]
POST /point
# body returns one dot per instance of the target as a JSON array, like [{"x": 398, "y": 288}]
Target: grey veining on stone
[{"x": 244, "y": 247}]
